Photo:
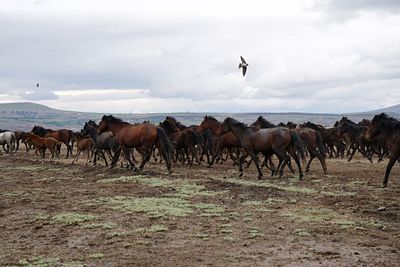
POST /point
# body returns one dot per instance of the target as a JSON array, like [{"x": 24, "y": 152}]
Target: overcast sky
[{"x": 176, "y": 56}]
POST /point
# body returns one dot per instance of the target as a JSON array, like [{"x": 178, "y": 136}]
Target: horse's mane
[
  {"x": 210, "y": 118},
  {"x": 111, "y": 118},
  {"x": 169, "y": 126},
  {"x": 238, "y": 124},
  {"x": 391, "y": 123},
  {"x": 176, "y": 122}
]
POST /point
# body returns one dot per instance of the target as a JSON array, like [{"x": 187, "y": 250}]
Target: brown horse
[
  {"x": 83, "y": 144},
  {"x": 43, "y": 143},
  {"x": 384, "y": 127},
  {"x": 140, "y": 136},
  {"x": 62, "y": 135},
  {"x": 223, "y": 140},
  {"x": 278, "y": 140}
]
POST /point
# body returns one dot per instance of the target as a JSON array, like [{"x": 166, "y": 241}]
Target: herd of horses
[{"x": 214, "y": 142}]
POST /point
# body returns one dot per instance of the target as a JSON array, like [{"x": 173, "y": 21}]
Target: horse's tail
[
  {"x": 166, "y": 147},
  {"x": 320, "y": 145},
  {"x": 298, "y": 144},
  {"x": 199, "y": 140}
]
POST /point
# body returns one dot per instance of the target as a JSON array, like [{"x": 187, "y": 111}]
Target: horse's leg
[
  {"x": 116, "y": 157},
  {"x": 393, "y": 158},
  {"x": 296, "y": 159},
  {"x": 254, "y": 157},
  {"x": 76, "y": 156},
  {"x": 313, "y": 154},
  {"x": 127, "y": 154},
  {"x": 146, "y": 157}
]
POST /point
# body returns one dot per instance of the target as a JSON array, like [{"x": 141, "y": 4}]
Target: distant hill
[
  {"x": 25, "y": 115},
  {"x": 393, "y": 109},
  {"x": 24, "y": 106}
]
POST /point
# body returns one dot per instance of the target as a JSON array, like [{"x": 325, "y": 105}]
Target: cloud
[{"x": 93, "y": 55}]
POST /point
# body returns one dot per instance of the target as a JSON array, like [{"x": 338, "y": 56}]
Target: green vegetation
[
  {"x": 255, "y": 233},
  {"x": 152, "y": 229},
  {"x": 301, "y": 232},
  {"x": 72, "y": 218},
  {"x": 97, "y": 255},
  {"x": 155, "y": 207},
  {"x": 38, "y": 262},
  {"x": 99, "y": 225}
]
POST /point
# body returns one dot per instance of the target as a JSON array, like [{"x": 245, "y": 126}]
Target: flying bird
[
  {"x": 243, "y": 65},
  {"x": 37, "y": 85}
]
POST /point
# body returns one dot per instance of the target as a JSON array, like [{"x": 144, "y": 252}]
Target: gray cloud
[{"x": 191, "y": 55}]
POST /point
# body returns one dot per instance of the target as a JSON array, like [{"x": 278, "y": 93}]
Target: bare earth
[{"x": 75, "y": 215}]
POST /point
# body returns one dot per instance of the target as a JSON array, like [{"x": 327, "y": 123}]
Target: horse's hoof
[
  {"x": 384, "y": 185},
  {"x": 307, "y": 170},
  {"x": 301, "y": 177},
  {"x": 241, "y": 174},
  {"x": 260, "y": 177}
]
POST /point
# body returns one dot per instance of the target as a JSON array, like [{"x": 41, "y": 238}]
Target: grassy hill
[{"x": 23, "y": 116}]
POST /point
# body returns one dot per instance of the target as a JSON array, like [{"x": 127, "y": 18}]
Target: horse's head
[
  {"x": 227, "y": 125},
  {"x": 209, "y": 122},
  {"x": 104, "y": 124},
  {"x": 378, "y": 123}
]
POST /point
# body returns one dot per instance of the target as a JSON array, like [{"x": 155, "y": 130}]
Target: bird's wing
[
  {"x": 240, "y": 65},
  {"x": 244, "y": 69},
  {"x": 242, "y": 59}
]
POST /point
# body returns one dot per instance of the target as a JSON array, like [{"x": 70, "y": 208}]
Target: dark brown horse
[
  {"x": 278, "y": 140},
  {"x": 386, "y": 128},
  {"x": 63, "y": 135},
  {"x": 314, "y": 145},
  {"x": 141, "y": 136},
  {"x": 183, "y": 139},
  {"x": 222, "y": 140}
]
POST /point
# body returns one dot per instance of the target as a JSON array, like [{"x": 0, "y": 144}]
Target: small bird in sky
[
  {"x": 37, "y": 85},
  {"x": 243, "y": 65}
]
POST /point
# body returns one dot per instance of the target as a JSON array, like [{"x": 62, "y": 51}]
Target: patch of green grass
[
  {"x": 156, "y": 228},
  {"x": 338, "y": 194},
  {"x": 210, "y": 210},
  {"x": 29, "y": 168},
  {"x": 153, "y": 206},
  {"x": 38, "y": 262},
  {"x": 228, "y": 238},
  {"x": 105, "y": 226},
  {"x": 344, "y": 224},
  {"x": 72, "y": 218},
  {"x": 255, "y": 233},
  {"x": 42, "y": 217},
  {"x": 301, "y": 232},
  {"x": 73, "y": 264},
  {"x": 312, "y": 215},
  {"x": 13, "y": 194},
  {"x": 203, "y": 236},
  {"x": 269, "y": 201},
  {"x": 295, "y": 189},
  {"x": 374, "y": 224},
  {"x": 192, "y": 190},
  {"x": 112, "y": 235},
  {"x": 97, "y": 255}
]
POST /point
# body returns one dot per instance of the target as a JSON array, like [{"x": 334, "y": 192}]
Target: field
[{"x": 75, "y": 215}]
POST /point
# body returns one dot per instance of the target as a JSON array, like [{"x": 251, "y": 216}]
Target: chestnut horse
[
  {"x": 43, "y": 143},
  {"x": 83, "y": 144},
  {"x": 277, "y": 140},
  {"x": 63, "y": 135},
  {"x": 140, "y": 136},
  {"x": 384, "y": 127}
]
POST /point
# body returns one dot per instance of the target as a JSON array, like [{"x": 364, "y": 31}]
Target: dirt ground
[{"x": 58, "y": 214}]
